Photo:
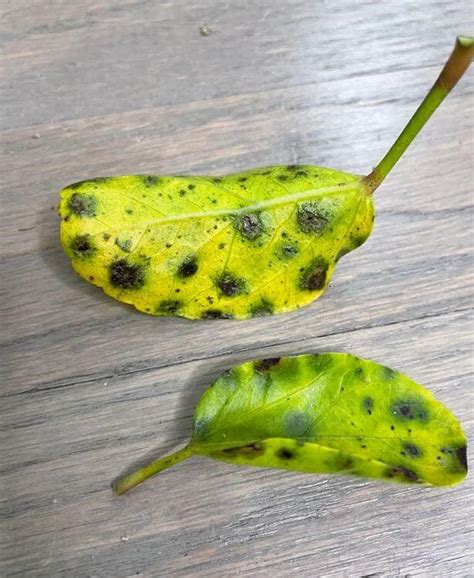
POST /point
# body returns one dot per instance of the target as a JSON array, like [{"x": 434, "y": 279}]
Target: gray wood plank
[{"x": 91, "y": 387}]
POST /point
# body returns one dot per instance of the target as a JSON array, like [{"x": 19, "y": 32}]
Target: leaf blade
[
  {"x": 350, "y": 408},
  {"x": 270, "y": 247}
]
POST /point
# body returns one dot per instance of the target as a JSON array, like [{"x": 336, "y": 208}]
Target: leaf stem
[
  {"x": 455, "y": 67},
  {"x": 129, "y": 481}
]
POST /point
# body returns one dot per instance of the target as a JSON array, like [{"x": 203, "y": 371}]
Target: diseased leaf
[
  {"x": 327, "y": 413},
  {"x": 245, "y": 245}
]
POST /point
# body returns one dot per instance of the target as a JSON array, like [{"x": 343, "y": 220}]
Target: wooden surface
[{"x": 90, "y": 387}]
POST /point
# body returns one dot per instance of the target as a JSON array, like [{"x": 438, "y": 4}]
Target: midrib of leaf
[{"x": 353, "y": 186}]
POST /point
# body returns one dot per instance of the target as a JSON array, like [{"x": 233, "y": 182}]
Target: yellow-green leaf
[
  {"x": 327, "y": 413},
  {"x": 245, "y": 245}
]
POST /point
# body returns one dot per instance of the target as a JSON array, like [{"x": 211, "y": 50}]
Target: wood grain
[{"x": 91, "y": 387}]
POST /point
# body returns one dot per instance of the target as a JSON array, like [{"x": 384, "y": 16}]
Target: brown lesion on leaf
[
  {"x": 168, "y": 307},
  {"x": 83, "y": 205},
  {"x": 250, "y": 226},
  {"x": 261, "y": 309},
  {"x": 266, "y": 364},
  {"x": 313, "y": 277},
  {"x": 411, "y": 450},
  {"x": 312, "y": 217},
  {"x": 82, "y": 246},
  {"x": 216, "y": 314},
  {"x": 150, "y": 180},
  {"x": 230, "y": 285},
  {"x": 253, "y": 450},
  {"x": 402, "y": 473},
  {"x": 127, "y": 275},
  {"x": 188, "y": 267}
]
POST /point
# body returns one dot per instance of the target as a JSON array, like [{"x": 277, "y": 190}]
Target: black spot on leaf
[
  {"x": 150, "y": 180},
  {"x": 230, "y": 285},
  {"x": 409, "y": 409},
  {"x": 261, "y": 309},
  {"x": 83, "y": 205},
  {"x": 82, "y": 246},
  {"x": 216, "y": 314},
  {"x": 461, "y": 454},
  {"x": 265, "y": 364},
  {"x": 312, "y": 217},
  {"x": 411, "y": 450},
  {"x": 127, "y": 275},
  {"x": 249, "y": 451},
  {"x": 368, "y": 404},
  {"x": 188, "y": 267},
  {"x": 168, "y": 307},
  {"x": 285, "y": 454},
  {"x": 402, "y": 473},
  {"x": 313, "y": 278},
  {"x": 287, "y": 251},
  {"x": 250, "y": 226}
]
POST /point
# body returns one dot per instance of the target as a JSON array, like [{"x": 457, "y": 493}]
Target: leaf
[
  {"x": 327, "y": 413},
  {"x": 246, "y": 245}
]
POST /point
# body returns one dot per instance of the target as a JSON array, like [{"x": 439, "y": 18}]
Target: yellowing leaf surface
[{"x": 245, "y": 245}]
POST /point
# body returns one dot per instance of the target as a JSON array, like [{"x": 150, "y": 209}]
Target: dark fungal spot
[
  {"x": 216, "y": 314},
  {"x": 411, "y": 450},
  {"x": 168, "y": 307},
  {"x": 249, "y": 451},
  {"x": 191, "y": 187},
  {"x": 106, "y": 236},
  {"x": 296, "y": 423},
  {"x": 461, "y": 454},
  {"x": 150, "y": 180},
  {"x": 313, "y": 278},
  {"x": 409, "y": 409},
  {"x": 368, "y": 405},
  {"x": 124, "y": 244},
  {"x": 221, "y": 245},
  {"x": 287, "y": 251},
  {"x": 283, "y": 177},
  {"x": 82, "y": 246},
  {"x": 230, "y": 285},
  {"x": 392, "y": 427},
  {"x": 301, "y": 174},
  {"x": 402, "y": 473},
  {"x": 249, "y": 226},
  {"x": 388, "y": 373},
  {"x": 359, "y": 372},
  {"x": 96, "y": 180},
  {"x": 242, "y": 179},
  {"x": 261, "y": 309},
  {"x": 312, "y": 217},
  {"x": 182, "y": 192},
  {"x": 127, "y": 275},
  {"x": 129, "y": 211},
  {"x": 265, "y": 364},
  {"x": 216, "y": 180},
  {"x": 83, "y": 205},
  {"x": 188, "y": 267},
  {"x": 285, "y": 454},
  {"x": 343, "y": 252}
]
